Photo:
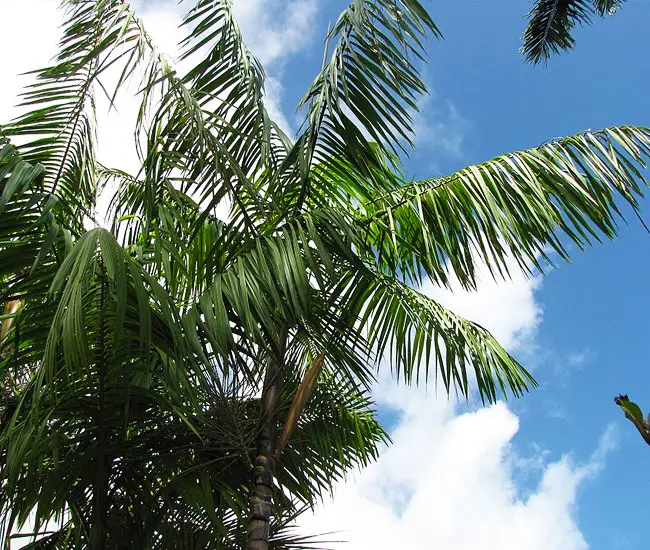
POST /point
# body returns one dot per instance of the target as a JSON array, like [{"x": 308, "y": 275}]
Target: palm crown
[{"x": 150, "y": 365}]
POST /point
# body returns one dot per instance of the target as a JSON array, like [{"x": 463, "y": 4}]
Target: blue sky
[{"x": 561, "y": 461}]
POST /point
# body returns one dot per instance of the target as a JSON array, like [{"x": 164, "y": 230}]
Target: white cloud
[
  {"x": 275, "y": 29},
  {"x": 450, "y": 482},
  {"x": 272, "y": 100},
  {"x": 456, "y": 479},
  {"x": 439, "y": 127},
  {"x": 579, "y": 358}
]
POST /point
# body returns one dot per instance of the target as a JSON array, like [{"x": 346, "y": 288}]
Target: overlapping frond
[
  {"x": 337, "y": 433},
  {"x": 108, "y": 370},
  {"x": 228, "y": 82},
  {"x": 210, "y": 134},
  {"x": 365, "y": 92},
  {"x": 27, "y": 226}
]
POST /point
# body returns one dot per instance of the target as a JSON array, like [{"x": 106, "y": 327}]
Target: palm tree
[
  {"x": 161, "y": 360},
  {"x": 551, "y": 22}
]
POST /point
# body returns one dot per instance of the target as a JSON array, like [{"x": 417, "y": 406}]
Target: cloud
[
  {"x": 579, "y": 358},
  {"x": 439, "y": 127},
  {"x": 450, "y": 482},
  {"x": 457, "y": 479},
  {"x": 272, "y": 99},
  {"x": 276, "y": 29}
]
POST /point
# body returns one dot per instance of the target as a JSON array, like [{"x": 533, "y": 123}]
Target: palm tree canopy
[{"x": 139, "y": 350}]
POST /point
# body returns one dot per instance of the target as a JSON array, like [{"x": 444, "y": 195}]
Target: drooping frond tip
[{"x": 551, "y": 22}]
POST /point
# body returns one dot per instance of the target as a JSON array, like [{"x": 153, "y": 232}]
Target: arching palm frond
[
  {"x": 519, "y": 205},
  {"x": 228, "y": 82}
]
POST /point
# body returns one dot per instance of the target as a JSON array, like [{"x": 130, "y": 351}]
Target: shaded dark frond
[
  {"x": 551, "y": 22},
  {"x": 550, "y": 25},
  {"x": 337, "y": 433},
  {"x": 608, "y": 7},
  {"x": 228, "y": 83},
  {"x": 27, "y": 226}
]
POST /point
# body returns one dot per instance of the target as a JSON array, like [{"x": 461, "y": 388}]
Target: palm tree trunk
[
  {"x": 261, "y": 493},
  {"x": 98, "y": 531}
]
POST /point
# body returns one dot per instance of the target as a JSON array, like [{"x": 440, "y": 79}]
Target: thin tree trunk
[
  {"x": 261, "y": 494},
  {"x": 98, "y": 531}
]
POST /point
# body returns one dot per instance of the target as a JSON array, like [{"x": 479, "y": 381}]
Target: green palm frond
[
  {"x": 519, "y": 205},
  {"x": 28, "y": 229},
  {"x": 228, "y": 82},
  {"x": 551, "y": 22},
  {"x": 327, "y": 442},
  {"x": 420, "y": 339},
  {"x": 367, "y": 86}
]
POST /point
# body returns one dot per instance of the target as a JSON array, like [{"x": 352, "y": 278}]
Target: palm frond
[
  {"x": 551, "y": 22},
  {"x": 608, "y": 7},
  {"x": 27, "y": 226},
  {"x": 420, "y": 339},
  {"x": 337, "y": 433},
  {"x": 520, "y": 204},
  {"x": 228, "y": 82},
  {"x": 367, "y": 87}
]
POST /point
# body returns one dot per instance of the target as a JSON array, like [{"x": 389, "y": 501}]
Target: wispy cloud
[
  {"x": 440, "y": 127},
  {"x": 579, "y": 358},
  {"x": 440, "y": 130},
  {"x": 275, "y": 30}
]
